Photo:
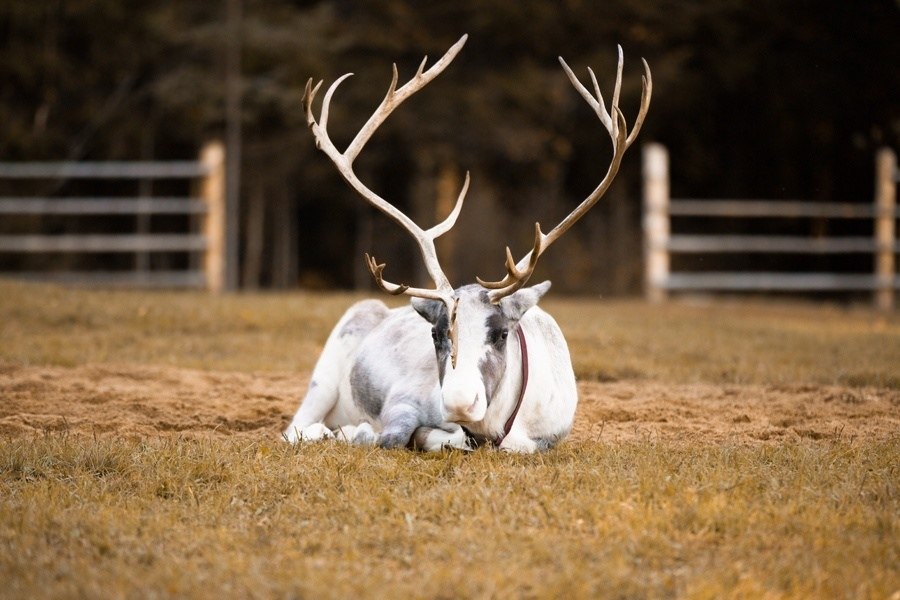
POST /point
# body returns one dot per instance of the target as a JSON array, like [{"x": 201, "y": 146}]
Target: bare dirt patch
[
  {"x": 736, "y": 413},
  {"x": 133, "y": 400},
  {"x": 138, "y": 401}
]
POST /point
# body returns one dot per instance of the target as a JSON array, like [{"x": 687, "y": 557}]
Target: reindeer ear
[
  {"x": 431, "y": 310},
  {"x": 517, "y": 304}
]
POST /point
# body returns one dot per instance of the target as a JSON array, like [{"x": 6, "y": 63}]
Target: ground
[
  {"x": 722, "y": 448},
  {"x": 139, "y": 401}
]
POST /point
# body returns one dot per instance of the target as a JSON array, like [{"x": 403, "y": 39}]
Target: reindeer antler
[
  {"x": 517, "y": 274},
  {"x": 443, "y": 290}
]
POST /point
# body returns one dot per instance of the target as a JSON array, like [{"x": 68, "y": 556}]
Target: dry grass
[
  {"x": 726, "y": 342},
  {"x": 48, "y": 325},
  {"x": 732, "y": 342},
  {"x": 178, "y": 517},
  {"x": 204, "y": 513}
]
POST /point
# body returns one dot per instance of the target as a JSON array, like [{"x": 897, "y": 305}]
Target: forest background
[{"x": 776, "y": 99}]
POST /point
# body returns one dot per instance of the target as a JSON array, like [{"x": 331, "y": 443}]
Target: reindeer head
[
  {"x": 483, "y": 331},
  {"x": 460, "y": 316}
]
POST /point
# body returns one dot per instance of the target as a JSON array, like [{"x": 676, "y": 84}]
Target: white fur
[{"x": 377, "y": 380}]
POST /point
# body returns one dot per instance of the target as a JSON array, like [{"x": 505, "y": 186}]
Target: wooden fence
[
  {"x": 660, "y": 243},
  {"x": 206, "y": 212}
]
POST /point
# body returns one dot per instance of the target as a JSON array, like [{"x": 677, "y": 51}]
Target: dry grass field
[{"x": 721, "y": 450}]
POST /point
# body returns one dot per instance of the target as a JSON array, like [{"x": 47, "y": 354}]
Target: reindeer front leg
[
  {"x": 399, "y": 419},
  {"x": 435, "y": 439},
  {"x": 323, "y": 393},
  {"x": 519, "y": 443}
]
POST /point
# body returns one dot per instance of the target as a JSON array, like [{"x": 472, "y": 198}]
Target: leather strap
[{"x": 523, "y": 347}]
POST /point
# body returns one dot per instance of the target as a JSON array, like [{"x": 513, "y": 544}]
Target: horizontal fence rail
[
  {"x": 660, "y": 243},
  {"x": 780, "y": 282},
  {"x": 773, "y": 208},
  {"x": 157, "y": 242},
  {"x": 176, "y": 169},
  {"x": 102, "y": 206},
  {"x": 774, "y": 244},
  {"x": 205, "y": 213}
]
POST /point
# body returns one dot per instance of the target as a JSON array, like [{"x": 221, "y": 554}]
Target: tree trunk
[
  {"x": 285, "y": 243},
  {"x": 254, "y": 232}
]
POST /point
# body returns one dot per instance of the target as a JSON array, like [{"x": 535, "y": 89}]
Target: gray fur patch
[
  {"x": 430, "y": 310},
  {"x": 364, "y": 394},
  {"x": 441, "y": 344},
  {"x": 366, "y": 316},
  {"x": 546, "y": 443},
  {"x": 493, "y": 365},
  {"x": 399, "y": 420},
  {"x": 435, "y": 313},
  {"x": 496, "y": 322},
  {"x": 492, "y": 368},
  {"x": 550, "y": 441}
]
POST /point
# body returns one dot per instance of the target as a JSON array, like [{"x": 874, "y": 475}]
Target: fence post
[
  {"x": 885, "y": 232},
  {"x": 656, "y": 221},
  {"x": 212, "y": 190}
]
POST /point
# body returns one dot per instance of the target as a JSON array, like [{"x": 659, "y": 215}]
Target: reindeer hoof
[
  {"x": 518, "y": 445},
  {"x": 365, "y": 435},
  {"x": 310, "y": 433},
  {"x": 358, "y": 435}
]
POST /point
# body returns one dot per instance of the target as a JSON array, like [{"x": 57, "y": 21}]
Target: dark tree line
[{"x": 768, "y": 99}]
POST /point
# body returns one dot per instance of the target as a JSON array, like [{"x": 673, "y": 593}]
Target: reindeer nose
[{"x": 463, "y": 411}]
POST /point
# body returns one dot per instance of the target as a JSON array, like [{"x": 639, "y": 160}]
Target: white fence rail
[
  {"x": 660, "y": 242},
  {"x": 207, "y": 238}
]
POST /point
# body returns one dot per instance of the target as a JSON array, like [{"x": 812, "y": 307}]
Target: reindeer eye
[
  {"x": 498, "y": 336},
  {"x": 437, "y": 336}
]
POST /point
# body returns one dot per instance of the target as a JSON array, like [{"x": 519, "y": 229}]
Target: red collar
[{"x": 523, "y": 347}]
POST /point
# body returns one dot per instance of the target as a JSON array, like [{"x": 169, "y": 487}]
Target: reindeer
[{"x": 460, "y": 367}]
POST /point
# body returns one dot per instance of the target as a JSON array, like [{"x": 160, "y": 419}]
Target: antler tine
[
  {"x": 646, "y": 92},
  {"x": 599, "y": 106},
  {"x": 326, "y": 101},
  {"x": 517, "y": 274},
  {"x": 309, "y": 95},
  {"x": 376, "y": 270},
  {"x": 448, "y": 223},
  {"x": 620, "y": 66},
  {"x": 395, "y": 97},
  {"x": 595, "y": 103}
]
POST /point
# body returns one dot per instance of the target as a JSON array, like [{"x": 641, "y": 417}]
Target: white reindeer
[{"x": 495, "y": 367}]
